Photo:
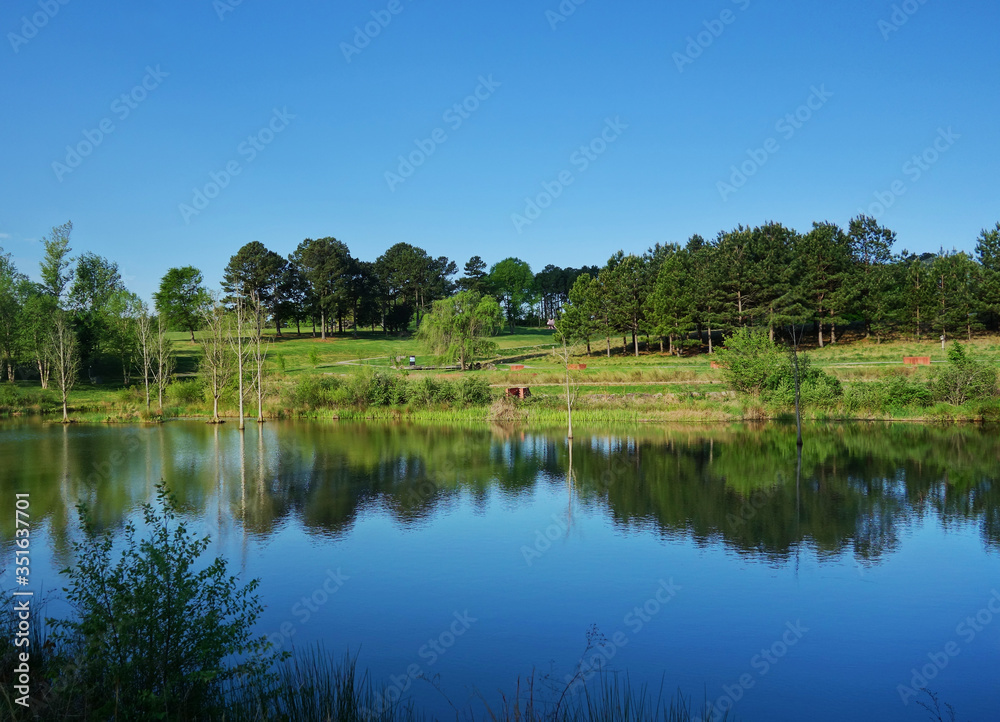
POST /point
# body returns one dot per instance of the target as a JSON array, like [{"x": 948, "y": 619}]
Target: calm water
[{"x": 702, "y": 558}]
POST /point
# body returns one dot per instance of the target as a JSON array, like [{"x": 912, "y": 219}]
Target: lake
[{"x": 454, "y": 560}]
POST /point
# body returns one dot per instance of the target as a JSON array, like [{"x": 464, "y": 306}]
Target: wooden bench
[
  {"x": 519, "y": 392},
  {"x": 916, "y": 360}
]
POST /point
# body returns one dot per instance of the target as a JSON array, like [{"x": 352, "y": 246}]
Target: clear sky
[{"x": 312, "y": 104}]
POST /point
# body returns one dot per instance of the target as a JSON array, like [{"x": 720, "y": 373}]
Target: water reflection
[{"x": 859, "y": 486}]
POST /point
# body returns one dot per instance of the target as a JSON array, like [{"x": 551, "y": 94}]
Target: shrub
[
  {"x": 474, "y": 391},
  {"x": 378, "y": 388},
  {"x": 894, "y": 392},
  {"x": 313, "y": 392},
  {"x": 154, "y": 638},
  {"x": 185, "y": 393},
  {"x": 750, "y": 362},
  {"x": 816, "y": 387},
  {"x": 430, "y": 391},
  {"x": 964, "y": 379}
]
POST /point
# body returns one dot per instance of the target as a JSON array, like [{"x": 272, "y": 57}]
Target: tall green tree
[
  {"x": 56, "y": 267},
  {"x": 461, "y": 328},
  {"x": 255, "y": 272},
  {"x": 474, "y": 276},
  {"x": 12, "y": 284},
  {"x": 580, "y": 320},
  {"x": 96, "y": 281},
  {"x": 705, "y": 287},
  {"x": 956, "y": 276},
  {"x": 182, "y": 299},
  {"x": 513, "y": 282},
  {"x": 325, "y": 263},
  {"x": 988, "y": 255},
  {"x": 669, "y": 308},
  {"x": 871, "y": 248},
  {"x": 821, "y": 265}
]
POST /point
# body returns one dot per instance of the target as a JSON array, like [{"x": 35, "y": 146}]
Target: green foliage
[
  {"x": 182, "y": 300},
  {"x": 964, "y": 379},
  {"x": 750, "y": 362},
  {"x": 155, "y": 637},
  {"x": 460, "y": 328},
  {"x": 429, "y": 391},
  {"x": 816, "y": 387},
  {"x": 511, "y": 279},
  {"x": 474, "y": 391},
  {"x": 313, "y": 357},
  {"x": 14, "y": 399},
  {"x": 186, "y": 392},
  {"x": 313, "y": 392},
  {"x": 896, "y": 392}
]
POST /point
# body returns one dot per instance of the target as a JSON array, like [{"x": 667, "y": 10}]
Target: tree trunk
[
  {"x": 192, "y": 335},
  {"x": 635, "y": 343},
  {"x": 322, "y": 325},
  {"x": 709, "y": 340}
]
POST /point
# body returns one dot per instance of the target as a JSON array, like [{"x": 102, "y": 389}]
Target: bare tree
[
  {"x": 564, "y": 354},
  {"x": 144, "y": 335},
  {"x": 216, "y": 362},
  {"x": 237, "y": 343},
  {"x": 163, "y": 360},
  {"x": 259, "y": 346},
  {"x": 64, "y": 358}
]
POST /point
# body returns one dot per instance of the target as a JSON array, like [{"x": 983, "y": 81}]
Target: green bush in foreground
[{"x": 154, "y": 637}]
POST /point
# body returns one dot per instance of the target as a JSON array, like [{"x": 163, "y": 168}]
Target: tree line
[
  {"x": 775, "y": 278},
  {"x": 81, "y": 317}
]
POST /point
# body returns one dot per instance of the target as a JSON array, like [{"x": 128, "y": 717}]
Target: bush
[
  {"x": 964, "y": 379},
  {"x": 379, "y": 388},
  {"x": 816, "y": 387},
  {"x": 313, "y": 392},
  {"x": 185, "y": 393},
  {"x": 13, "y": 398},
  {"x": 750, "y": 362},
  {"x": 430, "y": 391},
  {"x": 474, "y": 391},
  {"x": 895, "y": 392},
  {"x": 155, "y": 639},
  {"x": 132, "y": 394}
]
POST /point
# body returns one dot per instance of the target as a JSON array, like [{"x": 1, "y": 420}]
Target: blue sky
[{"x": 312, "y": 123}]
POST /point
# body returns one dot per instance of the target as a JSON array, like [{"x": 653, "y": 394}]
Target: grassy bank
[{"x": 362, "y": 378}]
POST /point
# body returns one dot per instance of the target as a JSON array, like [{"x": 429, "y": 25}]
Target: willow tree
[{"x": 461, "y": 328}]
